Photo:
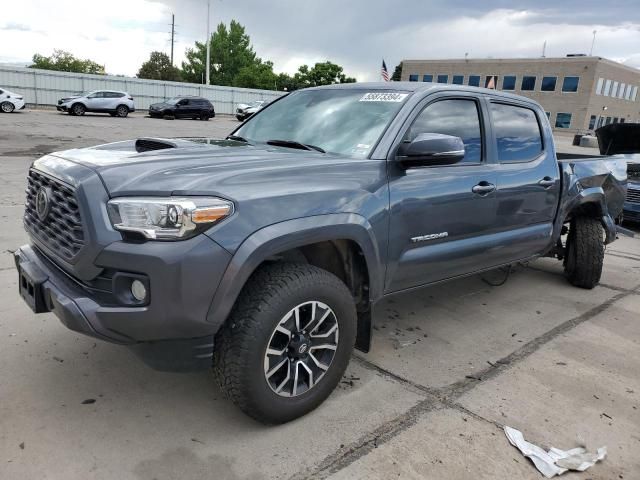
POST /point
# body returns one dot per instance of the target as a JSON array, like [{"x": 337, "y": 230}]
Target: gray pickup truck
[{"x": 264, "y": 254}]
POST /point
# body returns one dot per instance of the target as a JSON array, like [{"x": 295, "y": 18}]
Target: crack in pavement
[{"x": 441, "y": 398}]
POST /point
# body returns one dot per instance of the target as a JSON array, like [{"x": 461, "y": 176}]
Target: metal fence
[{"x": 46, "y": 87}]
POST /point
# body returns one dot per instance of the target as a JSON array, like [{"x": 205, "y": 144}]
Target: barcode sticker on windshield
[{"x": 383, "y": 97}]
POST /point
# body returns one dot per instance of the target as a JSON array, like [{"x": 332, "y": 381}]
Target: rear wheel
[
  {"x": 77, "y": 109},
  {"x": 584, "y": 252},
  {"x": 204, "y": 116},
  {"x": 122, "y": 111},
  {"x": 7, "y": 107},
  {"x": 287, "y": 342}
]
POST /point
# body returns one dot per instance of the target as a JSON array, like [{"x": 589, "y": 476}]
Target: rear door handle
[
  {"x": 547, "y": 182},
  {"x": 483, "y": 188}
]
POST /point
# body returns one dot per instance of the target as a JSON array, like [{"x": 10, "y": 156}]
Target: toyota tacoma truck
[{"x": 263, "y": 255}]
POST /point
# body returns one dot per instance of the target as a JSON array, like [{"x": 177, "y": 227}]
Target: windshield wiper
[
  {"x": 237, "y": 138},
  {"x": 294, "y": 144}
]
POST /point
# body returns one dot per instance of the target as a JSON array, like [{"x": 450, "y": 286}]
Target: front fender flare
[
  {"x": 594, "y": 196},
  {"x": 283, "y": 236}
]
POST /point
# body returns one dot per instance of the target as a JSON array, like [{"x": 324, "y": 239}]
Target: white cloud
[{"x": 121, "y": 33}]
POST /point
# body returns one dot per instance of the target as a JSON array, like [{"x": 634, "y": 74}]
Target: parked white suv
[
  {"x": 10, "y": 101},
  {"x": 116, "y": 104}
]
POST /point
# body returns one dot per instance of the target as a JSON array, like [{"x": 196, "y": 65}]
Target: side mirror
[{"x": 431, "y": 149}]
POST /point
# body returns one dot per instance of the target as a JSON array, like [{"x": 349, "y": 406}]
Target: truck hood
[{"x": 201, "y": 166}]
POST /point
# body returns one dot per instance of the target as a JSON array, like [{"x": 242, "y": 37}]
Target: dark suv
[{"x": 183, "y": 107}]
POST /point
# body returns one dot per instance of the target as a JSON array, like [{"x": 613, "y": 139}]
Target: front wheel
[
  {"x": 584, "y": 252},
  {"x": 7, "y": 107},
  {"x": 78, "y": 109},
  {"x": 287, "y": 342}
]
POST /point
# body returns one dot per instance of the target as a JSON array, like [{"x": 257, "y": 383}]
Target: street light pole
[{"x": 208, "y": 43}]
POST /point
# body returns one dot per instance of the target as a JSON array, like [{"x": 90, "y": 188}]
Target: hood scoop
[{"x": 147, "y": 144}]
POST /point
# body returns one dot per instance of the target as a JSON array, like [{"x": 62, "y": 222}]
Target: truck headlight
[{"x": 167, "y": 218}]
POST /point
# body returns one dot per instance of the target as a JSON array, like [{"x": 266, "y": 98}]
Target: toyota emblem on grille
[{"x": 43, "y": 203}]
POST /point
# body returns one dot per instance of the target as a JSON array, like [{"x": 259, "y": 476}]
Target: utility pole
[
  {"x": 593, "y": 43},
  {"x": 208, "y": 43},
  {"x": 173, "y": 34},
  {"x": 544, "y": 49}
]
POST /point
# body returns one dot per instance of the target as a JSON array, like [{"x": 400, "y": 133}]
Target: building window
[
  {"x": 458, "y": 80},
  {"x": 607, "y": 88},
  {"x": 456, "y": 117},
  {"x": 634, "y": 94},
  {"x": 599, "y": 86},
  {"x": 548, "y": 84},
  {"x": 592, "y": 122},
  {"x": 413, "y": 77},
  {"x": 443, "y": 78},
  {"x": 427, "y": 78},
  {"x": 491, "y": 81},
  {"x": 509, "y": 82},
  {"x": 615, "y": 120},
  {"x": 517, "y": 132},
  {"x": 570, "y": 84},
  {"x": 614, "y": 90},
  {"x": 528, "y": 83},
  {"x": 474, "y": 80},
  {"x": 621, "y": 90},
  {"x": 627, "y": 95},
  {"x": 548, "y": 114},
  {"x": 563, "y": 120},
  {"x": 600, "y": 121},
  {"x": 607, "y": 121},
  {"x": 622, "y": 120}
]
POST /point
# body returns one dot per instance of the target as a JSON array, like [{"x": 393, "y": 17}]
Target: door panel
[
  {"x": 439, "y": 227},
  {"x": 528, "y": 180},
  {"x": 439, "y": 201}
]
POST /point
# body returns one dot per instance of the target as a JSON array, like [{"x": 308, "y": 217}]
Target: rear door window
[{"x": 517, "y": 132}]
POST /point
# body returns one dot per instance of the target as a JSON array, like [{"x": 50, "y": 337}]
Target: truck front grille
[
  {"x": 633, "y": 195},
  {"x": 61, "y": 229}
]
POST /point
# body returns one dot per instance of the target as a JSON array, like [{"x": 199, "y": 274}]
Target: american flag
[{"x": 384, "y": 72}]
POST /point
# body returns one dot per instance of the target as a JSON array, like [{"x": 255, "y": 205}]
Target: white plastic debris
[{"x": 555, "y": 461}]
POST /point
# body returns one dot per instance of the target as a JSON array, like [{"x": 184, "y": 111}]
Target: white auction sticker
[{"x": 383, "y": 97}]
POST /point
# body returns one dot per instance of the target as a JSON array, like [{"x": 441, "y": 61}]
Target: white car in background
[
  {"x": 116, "y": 104},
  {"x": 10, "y": 101},
  {"x": 244, "y": 111}
]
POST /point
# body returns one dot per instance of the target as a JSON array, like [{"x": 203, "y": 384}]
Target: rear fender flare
[
  {"x": 291, "y": 234},
  {"x": 595, "y": 197}
]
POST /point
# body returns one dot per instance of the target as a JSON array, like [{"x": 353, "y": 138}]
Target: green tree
[
  {"x": 65, "y": 62},
  {"x": 231, "y": 51},
  {"x": 325, "y": 73},
  {"x": 397, "y": 73},
  {"x": 159, "y": 67},
  {"x": 258, "y": 75}
]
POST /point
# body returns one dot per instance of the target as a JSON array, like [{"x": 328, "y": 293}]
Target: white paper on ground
[{"x": 555, "y": 461}]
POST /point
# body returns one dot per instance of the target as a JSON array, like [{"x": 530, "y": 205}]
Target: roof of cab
[{"x": 423, "y": 87}]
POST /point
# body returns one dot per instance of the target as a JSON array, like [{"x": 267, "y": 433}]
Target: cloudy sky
[{"x": 354, "y": 33}]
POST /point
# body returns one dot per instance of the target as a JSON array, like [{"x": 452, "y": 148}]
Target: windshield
[
  {"x": 344, "y": 121},
  {"x": 173, "y": 101}
]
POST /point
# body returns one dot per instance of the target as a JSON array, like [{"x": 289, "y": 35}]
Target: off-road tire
[
  {"x": 585, "y": 252},
  {"x": 77, "y": 109},
  {"x": 7, "y": 107},
  {"x": 204, "y": 116},
  {"x": 240, "y": 345}
]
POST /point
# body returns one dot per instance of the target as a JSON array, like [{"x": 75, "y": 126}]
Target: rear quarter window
[{"x": 517, "y": 132}]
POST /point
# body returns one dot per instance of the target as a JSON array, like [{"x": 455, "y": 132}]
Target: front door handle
[
  {"x": 547, "y": 182},
  {"x": 483, "y": 188}
]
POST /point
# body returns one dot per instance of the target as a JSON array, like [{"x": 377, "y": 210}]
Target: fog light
[{"x": 138, "y": 290}]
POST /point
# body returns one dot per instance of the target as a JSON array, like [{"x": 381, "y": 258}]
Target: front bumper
[
  {"x": 183, "y": 277},
  {"x": 62, "y": 108}
]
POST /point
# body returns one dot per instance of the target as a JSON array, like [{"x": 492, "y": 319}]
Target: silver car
[
  {"x": 244, "y": 111},
  {"x": 116, "y": 104}
]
